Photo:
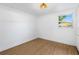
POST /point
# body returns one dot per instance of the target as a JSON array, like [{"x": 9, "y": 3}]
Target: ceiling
[{"x": 34, "y": 8}]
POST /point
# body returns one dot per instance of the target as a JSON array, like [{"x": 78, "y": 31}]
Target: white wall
[
  {"x": 77, "y": 42},
  {"x": 48, "y": 28},
  {"x": 15, "y": 28},
  {"x": 77, "y": 29}
]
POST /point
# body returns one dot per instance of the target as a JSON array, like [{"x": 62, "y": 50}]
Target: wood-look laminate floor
[{"x": 41, "y": 47}]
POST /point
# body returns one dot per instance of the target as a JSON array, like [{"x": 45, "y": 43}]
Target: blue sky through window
[{"x": 68, "y": 18}]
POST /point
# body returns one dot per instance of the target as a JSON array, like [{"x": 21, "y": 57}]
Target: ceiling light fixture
[{"x": 43, "y": 5}]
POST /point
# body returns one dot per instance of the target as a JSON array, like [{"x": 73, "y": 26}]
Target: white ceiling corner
[{"x": 34, "y": 8}]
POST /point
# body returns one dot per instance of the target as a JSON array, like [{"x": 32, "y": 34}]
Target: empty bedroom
[{"x": 39, "y": 28}]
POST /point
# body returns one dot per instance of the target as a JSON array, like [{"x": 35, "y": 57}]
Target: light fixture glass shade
[{"x": 43, "y": 6}]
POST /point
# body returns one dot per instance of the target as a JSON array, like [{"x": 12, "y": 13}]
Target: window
[{"x": 65, "y": 20}]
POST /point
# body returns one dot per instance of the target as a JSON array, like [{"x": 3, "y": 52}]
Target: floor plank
[{"x": 41, "y": 47}]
